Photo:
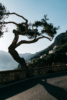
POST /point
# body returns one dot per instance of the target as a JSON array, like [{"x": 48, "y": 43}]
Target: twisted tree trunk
[
  {"x": 14, "y": 53},
  {"x": 17, "y": 58}
]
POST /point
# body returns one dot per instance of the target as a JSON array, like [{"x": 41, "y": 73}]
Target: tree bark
[
  {"x": 14, "y": 53},
  {"x": 20, "y": 60},
  {"x": 16, "y": 57}
]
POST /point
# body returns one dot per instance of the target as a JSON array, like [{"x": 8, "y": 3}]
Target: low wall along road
[{"x": 14, "y": 75}]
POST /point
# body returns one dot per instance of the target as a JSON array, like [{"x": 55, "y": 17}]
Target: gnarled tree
[{"x": 32, "y": 33}]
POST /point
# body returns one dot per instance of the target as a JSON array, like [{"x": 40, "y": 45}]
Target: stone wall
[{"x": 14, "y": 75}]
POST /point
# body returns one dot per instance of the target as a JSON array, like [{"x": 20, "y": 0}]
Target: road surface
[{"x": 49, "y": 87}]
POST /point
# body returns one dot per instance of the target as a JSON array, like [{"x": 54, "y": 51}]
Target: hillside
[
  {"x": 58, "y": 57},
  {"x": 59, "y": 40}
]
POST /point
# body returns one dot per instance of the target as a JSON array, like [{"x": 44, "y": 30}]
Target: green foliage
[
  {"x": 30, "y": 34},
  {"x": 58, "y": 56},
  {"x": 21, "y": 28},
  {"x": 62, "y": 41},
  {"x": 62, "y": 48},
  {"x": 47, "y": 28},
  {"x": 2, "y": 17},
  {"x": 1, "y": 33}
]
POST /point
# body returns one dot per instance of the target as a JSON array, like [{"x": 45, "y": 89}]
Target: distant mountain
[
  {"x": 8, "y": 63},
  {"x": 26, "y": 56},
  {"x": 58, "y": 41},
  {"x": 61, "y": 37}
]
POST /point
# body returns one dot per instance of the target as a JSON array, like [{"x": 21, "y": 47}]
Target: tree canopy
[
  {"x": 24, "y": 29},
  {"x": 47, "y": 28}
]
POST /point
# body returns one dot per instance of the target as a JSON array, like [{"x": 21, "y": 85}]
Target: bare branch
[
  {"x": 10, "y": 22},
  {"x": 17, "y": 15},
  {"x": 44, "y": 37},
  {"x": 15, "y": 39},
  {"x": 26, "y": 23},
  {"x": 32, "y": 41}
]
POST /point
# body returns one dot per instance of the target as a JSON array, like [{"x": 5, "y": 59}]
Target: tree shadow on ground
[{"x": 57, "y": 92}]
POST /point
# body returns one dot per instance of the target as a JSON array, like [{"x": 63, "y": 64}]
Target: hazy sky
[{"x": 34, "y": 10}]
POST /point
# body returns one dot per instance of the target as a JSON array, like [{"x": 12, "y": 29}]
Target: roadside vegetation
[{"x": 60, "y": 56}]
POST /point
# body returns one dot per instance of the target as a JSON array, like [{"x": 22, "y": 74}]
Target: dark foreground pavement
[{"x": 49, "y": 87}]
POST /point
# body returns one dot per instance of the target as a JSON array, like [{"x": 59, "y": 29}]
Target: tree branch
[
  {"x": 13, "y": 44},
  {"x": 9, "y": 22},
  {"x": 17, "y": 15},
  {"x": 32, "y": 41},
  {"x": 26, "y": 23}
]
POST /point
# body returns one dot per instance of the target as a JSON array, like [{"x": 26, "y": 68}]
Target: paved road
[{"x": 49, "y": 87}]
